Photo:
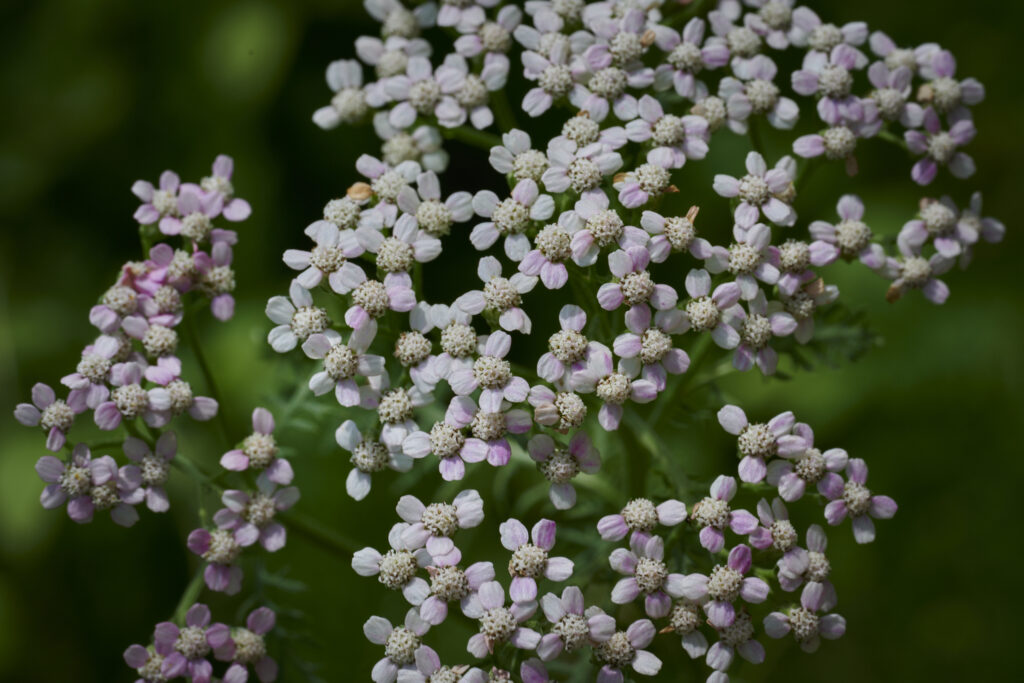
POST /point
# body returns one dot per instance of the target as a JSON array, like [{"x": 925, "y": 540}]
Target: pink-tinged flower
[
  {"x": 737, "y": 638},
  {"x": 645, "y": 574},
  {"x": 54, "y": 415},
  {"x": 567, "y": 348},
  {"x": 704, "y": 310},
  {"x": 776, "y": 531},
  {"x": 594, "y": 226},
  {"x": 633, "y": 286},
  {"x": 572, "y": 626},
  {"x": 804, "y": 302},
  {"x": 185, "y": 650},
  {"x": 807, "y": 627},
  {"x": 146, "y": 662},
  {"x": 840, "y": 141},
  {"x": 533, "y": 671},
  {"x": 393, "y": 13},
  {"x": 165, "y": 267},
  {"x": 684, "y": 620},
  {"x": 368, "y": 456},
  {"x": 434, "y": 216},
  {"x": 491, "y": 36},
  {"x": 757, "y": 327},
  {"x": 674, "y": 139},
  {"x": 218, "y": 184},
  {"x": 449, "y": 583},
  {"x": 773, "y": 21},
  {"x": 488, "y": 429},
  {"x": 500, "y": 624},
  {"x": 350, "y": 102},
  {"x": 913, "y": 271},
  {"x": 640, "y": 516},
  {"x": 990, "y": 229},
  {"x": 154, "y": 467},
  {"x": 851, "y": 235},
  {"x": 157, "y": 203},
  {"x": 343, "y": 364},
  {"x": 259, "y": 451},
  {"x": 118, "y": 302},
  {"x": 196, "y": 211},
  {"x": 447, "y": 441},
  {"x": 714, "y": 515},
  {"x": 552, "y": 248},
  {"x": 724, "y": 586},
  {"x": 387, "y": 181},
  {"x": 944, "y": 92},
  {"x": 371, "y": 298},
  {"x": 650, "y": 345},
  {"x": 458, "y": 339},
  {"x": 809, "y": 31},
  {"x": 221, "y": 548},
  {"x": 432, "y": 526},
  {"x": 174, "y": 395},
  {"x": 157, "y": 340},
  {"x": 892, "y": 90},
  {"x": 828, "y": 76},
  {"x": 811, "y": 467},
  {"x": 758, "y": 193},
  {"x": 938, "y": 220},
  {"x": 613, "y": 386},
  {"x": 560, "y": 465},
  {"x": 516, "y": 157},
  {"x": 672, "y": 234},
  {"x": 492, "y": 374},
  {"x": 500, "y": 296},
  {"x": 215, "y": 279},
  {"x": 510, "y": 217},
  {"x": 530, "y": 558},
  {"x": 563, "y": 410},
  {"x": 429, "y": 668},
  {"x": 743, "y": 42},
  {"x": 580, "y": 167},
  {"x": 250, "y": 648},
  {"x": 417, "y": 92},
  {"x": 799, "y": 565},
  {"x": 465, "y": 94},
  {"x": 258, "y": 511},
  {"x": 939, "y": 147},
  {"x": 401, "y": 644},
  {"x": 129, "y": 400},
  {"x": 333, "y": 249},
  {"x": 422, "y": 144},
  {"x": 756, "y": 95},
  {"x": 757, "y": 442},
  {"x": 88, "y": 484},
  {"x": 390, "y": 56},
  {"x": 688, "y": 55},
  {"x": 626, "y": 649},
  {"x": 750, "y": 258},
  {"x": 465, "y": 17},
  {"x": 601, "y": 83},
  {"x": 795, "y": 259},
  {"x": 396, "y": 410},
  {"x": 296, "y": 319},
  {"x": 855, "y": 500},
  {"x": 639, "y": 186},
  {"x": 552, "y": 74},
  {"x": 398, "y": 568},
  {"x": 913, "y": 58}
]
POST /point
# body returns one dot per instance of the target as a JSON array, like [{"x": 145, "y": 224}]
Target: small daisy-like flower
[
  {"x": 625, "y": 649},
  {"x": 757, "y": 326},
  {"x": 811, "y": 467},
  {"x": 185, "y": 650},
  {"x": 839, "y": 141},
  {"x": 422, "y": 144},
  {"x": 128, "y": 400},
  {"x": 174, "y": 395},
  {"x": 552, "y": 248},
  {"x": 714, "y": 515},
  {"x": 938, "y": 220},
  {"x": 757, "y": 94},
  {"x": 258, "y": 510},
  {"x": 773, "y": 21},
  {"x": 147, "y": 663},
  {"x": 350, "y": 101},
  {"x": 613, "y": 386},
  {"x": 396, "y": 410},
  {"x": 645, "y": 574},
  {"x": 488, "y": 430},
  {"x": 343, "y": 364},
  {"x": 259, "y": 451},
  {"x": 216, "y": 280},
  {"x": 634, "y": 286},
  {"x": 297, "y": 319},
  {"x": 990, "y": 229},
  {"x": 829, "y": 77},
  {"x": 573, "y": 627},
  {"x": 639, "y": 186},
  {"x": 851, "y": 234},
  {"x": 704, "y": 311},
  {"x": 492, "y": 374},
  {"x": 894, "y": 56},
  {"x": 154, "y": 467},
  {"x": 671, "y": 234},
  {"x": 218, "y": 184},
  {"x": 759, "y": 193},
  {"x": 674, "y": 139},
  {"x": 449, "y": 583},
  {"x": 944, "y": 93},
  {"x": 580, "y": 167},
  {"x": 120, "y": 301},
  {"x": 396, "y": 20},
  {"x": 684, "y": 620},
  {"x": 447, "y": 441},
  {"x": 250, "y": 648},
  {"x": 809, "y": 31},
  {"x": 560, "y": 465},
  {"x": 914, "y": 271},
  {"x": 724, "y": 586},
  {"x": 776, "y": 531},
  {"x": 386, "y": 181},
  {"x": 389, "y": 57},
  {"x": 401, "y": 644},
  {"x": 651, "y": 345},
  {"x": 157, "y": 202},
  {"x": 856, "y": 501},
  {"x": 595, "y": 226},
  {"x": 464, "y": 15},
  {"x": 500, "y": 296},
  {"x": 750, "y": 258},
  {"x": 371, "y": 299},
  {"x": 604, "y": 83},
  {"x": 804, "y": 302},
  {"x": 406, "y": 246},
  {"x": 397, "y": 569},
  {"x": 434, "y": 216},
  {"x": 88, "y": 484},
  {"x": 688, "y": 55},
  {"x": 530, "y": 558},
  {"x": 221, "y": 548},
  {"x": 510, "y": 217},
  {"x": 429, "y": 668},
  {"x": 368, "y": 456},
  {"x": 567, "y": 348},
  {"x": 196, "y": 210},
  {"x": 500, "y": 624},
  {"x": 737, "y": 638},
  {"x": 417, "y": 92},
  {"x": 892, "y": 89},
  {"x": 552, "y": 74},
  {"x": 432, "y": 526},
  {"x": 795, "y": 258},
  {"x": 757, "y": 442},
  {"x": 743, "y": 42},
  {"x": 55, "y": 416},
  {"x": 458, "y": 339},
  {"x": 807, "y": 627},
  {"x": 157, "y": 340},
  {"x": 517, "y": 158},
  {"x": 940, "y": 147},
  {"x": 324, "y": 261},
  {"x": 810, "y": 565},
  {"x": 492, "y": 36},
  {"x": 640, "y": 516},
  {"x": 465, "y": 93}
]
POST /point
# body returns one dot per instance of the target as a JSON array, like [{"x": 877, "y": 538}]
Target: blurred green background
[{"x": 103, "y": 92}]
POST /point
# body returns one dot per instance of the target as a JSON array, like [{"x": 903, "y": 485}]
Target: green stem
[
  {"x": 313, "y": 531},
  {"x": 503, "y": 113},
  {"x": 211, "y": 383},
  {"x": 805, "y": 172},
  {"x": 188, "y": 597},
  {"x": 754, "y": 129},
  {"x": 697, "y": 358},
  {"x": 473, "y": 137},
  {"x": 892, "y": 138}
]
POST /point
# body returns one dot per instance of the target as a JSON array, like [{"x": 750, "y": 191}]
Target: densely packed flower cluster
[{"x": 601, "y": 215}]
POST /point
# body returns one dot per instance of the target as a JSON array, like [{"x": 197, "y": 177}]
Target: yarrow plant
[{"x": 565, "y": 397}]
